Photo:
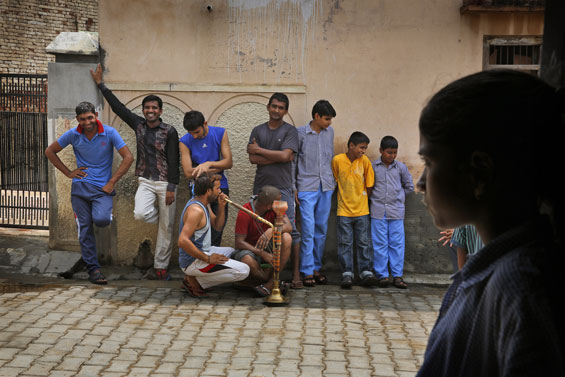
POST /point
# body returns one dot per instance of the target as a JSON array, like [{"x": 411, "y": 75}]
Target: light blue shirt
[
  {"x": 392, "y": 184},
  {"x": 313, "y": 162},
  {"x": 96, "y": 155}
]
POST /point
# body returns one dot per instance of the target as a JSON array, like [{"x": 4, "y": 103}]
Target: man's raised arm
[{"x": 117, "y": 107}]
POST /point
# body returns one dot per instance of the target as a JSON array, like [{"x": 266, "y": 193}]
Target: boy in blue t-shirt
[
  {"x": 392, "y": 183},
  {"x": 93, "y": 183},
  {"x": 206, "y": 149}
]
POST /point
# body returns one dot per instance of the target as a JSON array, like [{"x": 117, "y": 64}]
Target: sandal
[
  {"x": 321, "y": 279},
  {"x": 261, "y": 290},
  {"x": 309, "y": 281},
  {"x": 296, "y": 284},
  {"x": 384, "y": 282},
  {"x": 193, "y": 292},
  {"x": 398, "y": 282},
  {"x": 96, "y": 277}
]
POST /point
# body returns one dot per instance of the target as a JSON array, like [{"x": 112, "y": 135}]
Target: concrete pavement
[
  {"x": 151, "y": 328},
  {"x": 51, "y": 326}
]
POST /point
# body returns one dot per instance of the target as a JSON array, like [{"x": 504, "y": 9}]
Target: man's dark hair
[
  {"x": 389, "y": 142},
  {"x": 357, "y": 138},
  {"x": 85, "y": 107},
  {"x": 281, "y": 97},
  {"x": 323, "y": 108},
  {"x": 205, "y": 182},
  {"x": 153, "y": 97},
  {"x": 192, "y": 120}
]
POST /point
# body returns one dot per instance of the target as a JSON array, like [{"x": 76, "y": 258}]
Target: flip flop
[
  {"x": 192, "y": 292},
  {"x": 96, "y": 277},
  {"x": 261, "y": 290},
  {"x": 309, "y": 281},
  {"x": 296, "y": 284},
  {"x": 321, "y": 279}
]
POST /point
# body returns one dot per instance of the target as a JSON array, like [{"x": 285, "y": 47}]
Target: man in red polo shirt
[{"x": 253, "y": 239}]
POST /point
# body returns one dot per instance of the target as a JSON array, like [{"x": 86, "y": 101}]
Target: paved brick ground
[{"x": 83, "y": 330}]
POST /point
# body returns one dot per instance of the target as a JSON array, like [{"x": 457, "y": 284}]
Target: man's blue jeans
[
  {"x": 314, "y": 212},
  {"x": 347, "y": 229},
  {"x": 91, "y": 206}
]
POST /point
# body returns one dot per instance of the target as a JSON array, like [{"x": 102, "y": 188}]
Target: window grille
[{"x": 521, "y": 53}]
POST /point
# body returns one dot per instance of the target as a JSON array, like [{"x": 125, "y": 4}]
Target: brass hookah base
[{"x": 276, "y": 298}]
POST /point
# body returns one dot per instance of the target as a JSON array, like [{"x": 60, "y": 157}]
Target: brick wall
[{"x": 28, "y": 26}]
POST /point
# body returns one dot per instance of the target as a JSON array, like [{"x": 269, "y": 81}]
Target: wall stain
[{"x": 268, "y": 39}]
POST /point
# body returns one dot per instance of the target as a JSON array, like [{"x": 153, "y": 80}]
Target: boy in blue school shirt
[
  {"x": 314, "y": 186},
  {"x": 392, "y": 183}
]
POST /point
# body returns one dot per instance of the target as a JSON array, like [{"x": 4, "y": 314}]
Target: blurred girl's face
[{"x": 447, "y": 191}]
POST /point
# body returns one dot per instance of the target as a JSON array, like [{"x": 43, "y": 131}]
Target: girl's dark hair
[{"x": 514, "y": 117}]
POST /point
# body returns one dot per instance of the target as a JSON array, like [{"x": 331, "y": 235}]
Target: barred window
[{"x": 521, "y": 53}]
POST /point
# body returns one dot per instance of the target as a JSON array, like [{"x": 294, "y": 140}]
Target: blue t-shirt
[
  {"x": 96, "y": 155},
  {"x": 208, "y": 148}
]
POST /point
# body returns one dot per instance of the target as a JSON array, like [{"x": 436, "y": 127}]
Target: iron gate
[{"x": 24, "y": 191}]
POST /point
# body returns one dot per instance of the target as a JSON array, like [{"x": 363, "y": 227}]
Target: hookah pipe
[
  {"x": 276, "y": 298},
  {"x": 251, "y": 213},
  {"x": 279, "y": 207}
]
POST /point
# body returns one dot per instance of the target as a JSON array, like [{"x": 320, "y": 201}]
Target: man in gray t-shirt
[
  {"x": 278, "y": 174},
  {"x": 272, "y": 147}
]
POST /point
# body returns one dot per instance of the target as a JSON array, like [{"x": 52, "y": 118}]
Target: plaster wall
[{"x": 377, "y": 61}]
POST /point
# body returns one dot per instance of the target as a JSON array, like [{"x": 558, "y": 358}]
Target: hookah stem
[
  {"x": 253, "y": 214},
  {"x": 276, "y": 251}
]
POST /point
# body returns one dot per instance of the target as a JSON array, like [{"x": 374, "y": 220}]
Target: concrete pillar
[{"x": 70, "y": 83}]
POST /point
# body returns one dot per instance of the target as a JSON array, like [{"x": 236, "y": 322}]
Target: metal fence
[{"x": 24, "y": 191}]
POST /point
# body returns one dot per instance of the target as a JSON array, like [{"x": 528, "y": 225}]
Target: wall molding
[{"x": 228, "y": 88}]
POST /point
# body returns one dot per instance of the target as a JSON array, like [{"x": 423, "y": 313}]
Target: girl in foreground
[{"x": 491, "y": 147}]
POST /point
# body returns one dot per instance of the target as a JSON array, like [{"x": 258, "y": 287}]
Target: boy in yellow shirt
[{"x": 355, "y": 179}]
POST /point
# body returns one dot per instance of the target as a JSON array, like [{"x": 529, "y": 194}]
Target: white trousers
[
  {"x": 209, "y": 275},
  {"x": 149, "y": 192}
]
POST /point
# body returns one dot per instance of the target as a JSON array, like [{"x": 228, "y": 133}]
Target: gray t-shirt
[{"x": 278, "y": 174}]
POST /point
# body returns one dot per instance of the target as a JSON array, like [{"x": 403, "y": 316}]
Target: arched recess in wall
[
  {"x": 238, "y": 115},
  {"x": 242, "y": 98},
  {"x": 173, "y": 108}
]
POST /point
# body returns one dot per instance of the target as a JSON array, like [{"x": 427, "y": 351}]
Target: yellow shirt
[{"x": 352, "y": 180}]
